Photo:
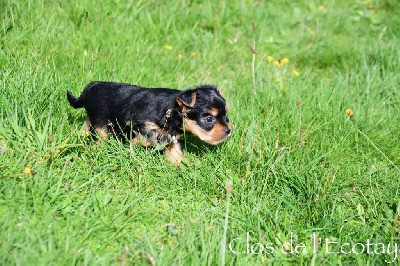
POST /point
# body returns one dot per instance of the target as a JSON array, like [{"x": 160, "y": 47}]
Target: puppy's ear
[
  {"x": 219, "y": 91},
  {"x": 187, "y": 98}
]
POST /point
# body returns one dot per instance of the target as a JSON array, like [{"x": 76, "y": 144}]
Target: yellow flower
[
  {"x": 321, "y": 7},
  {"x": 295, "y": 73},
  {"x": 149, "y": 190},
  {"x": 168, "y": 47},
  {"x": 193, "y": 54},
  {"x": 277, "y": 63},
  {"x": 27, "y": 170},
  {"x": 285, "y": 61},
  {"x": 278, "y": 80},
  {"x": 179, "y": 56},
  {"x": 350, "y": 112},
  {"x": 270, "y": 58}
]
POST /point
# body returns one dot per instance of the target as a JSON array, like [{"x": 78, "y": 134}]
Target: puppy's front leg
[{"x": 175, "y": 154}]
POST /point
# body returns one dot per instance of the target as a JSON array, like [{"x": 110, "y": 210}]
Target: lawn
[{"x": 309, "y": 176}]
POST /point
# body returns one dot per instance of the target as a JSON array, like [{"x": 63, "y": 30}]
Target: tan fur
[
  {"x": 102, "y": 132},
  {"x": 139, "y": 139},
  {"x": 214, "y": 137},
  {"x": 159, "y": 136},
  {"x": 214, "y": 112},
  {"x": 86, "y": 127},
  {"x": 191, "y": 104},
  {"x": 217, "y": 133},
  {"x": 220, "y": 92},
  {"x": 151, "y": 126},
  {"x": 175, "y": 153}
]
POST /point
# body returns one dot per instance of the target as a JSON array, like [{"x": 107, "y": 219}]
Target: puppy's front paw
[{"x": 175, "y": 153}]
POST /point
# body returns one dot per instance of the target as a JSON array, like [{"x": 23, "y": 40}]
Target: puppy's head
[{"x": 205, "y": 111}]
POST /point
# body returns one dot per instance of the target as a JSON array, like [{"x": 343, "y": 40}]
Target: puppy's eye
[{"x": 210, "y": 119}]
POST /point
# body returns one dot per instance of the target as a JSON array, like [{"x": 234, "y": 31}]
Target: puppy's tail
[{"x": 74, "y": 102}]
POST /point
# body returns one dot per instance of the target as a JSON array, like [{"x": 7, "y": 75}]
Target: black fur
[{"x": 116, "y": 105}]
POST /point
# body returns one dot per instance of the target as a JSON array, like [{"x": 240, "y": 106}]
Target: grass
[{"x": 297, "y": 162}]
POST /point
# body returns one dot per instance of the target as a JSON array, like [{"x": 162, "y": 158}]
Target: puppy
[{"x": 154, "y": 117}]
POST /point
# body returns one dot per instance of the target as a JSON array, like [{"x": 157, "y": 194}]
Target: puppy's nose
[{"x": 227, "y": 131}]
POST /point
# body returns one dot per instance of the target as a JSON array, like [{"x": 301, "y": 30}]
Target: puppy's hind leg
[
  {"x": 101, "y": 132},
  {"x": 86, "y": 127}
]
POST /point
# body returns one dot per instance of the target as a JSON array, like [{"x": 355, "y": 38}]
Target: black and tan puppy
[{"x": 154, "y": 116}]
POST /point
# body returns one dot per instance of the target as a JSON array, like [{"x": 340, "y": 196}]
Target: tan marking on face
[
  {"x": 175, "y": 153},
  {"x": 214, "y": 112},
  {"x": 217, "y": 133},
  {"x": 86, "y": 127},
  {"x": 213, "y": 137}
]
